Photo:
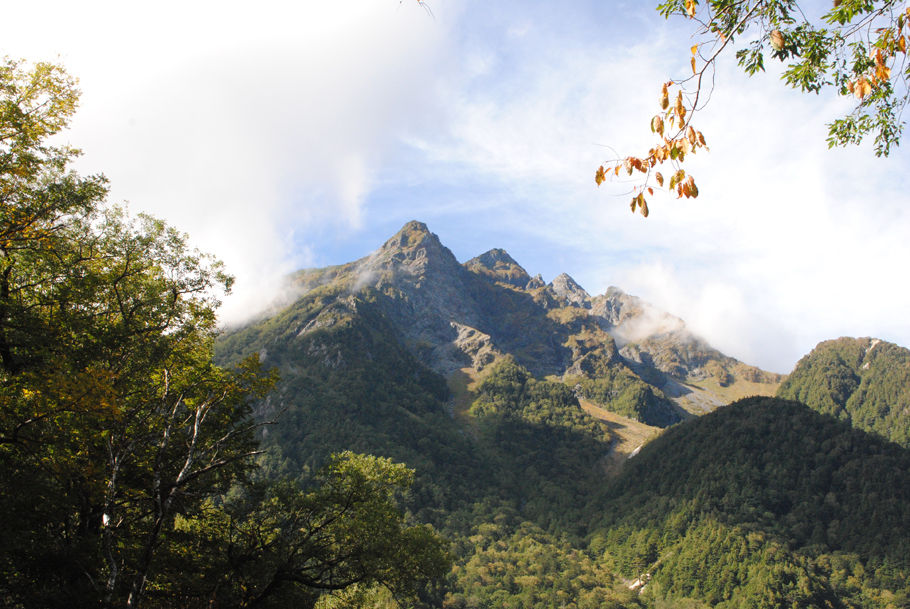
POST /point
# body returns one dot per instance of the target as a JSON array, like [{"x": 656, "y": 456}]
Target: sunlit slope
[
  {"x": 865, "y": 381},
  {"x": 764, "y": 503}
]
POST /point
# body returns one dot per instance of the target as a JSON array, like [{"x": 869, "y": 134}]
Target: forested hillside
[
  {"x": 865, "y": 381},
  {"x": 763, "y": 503},
  {"x": 473, "y": 373}
]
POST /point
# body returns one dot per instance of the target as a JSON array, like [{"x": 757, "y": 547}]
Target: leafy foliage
[
  {"x": 120, "y": 439},
  {"x": 858, "y": 48},
  {"x": 280, "y": 545}
]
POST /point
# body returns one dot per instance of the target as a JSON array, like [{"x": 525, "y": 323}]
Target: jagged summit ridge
[
  {"x": 498, "y": 265},
  {"x": 455, "y": 316}
]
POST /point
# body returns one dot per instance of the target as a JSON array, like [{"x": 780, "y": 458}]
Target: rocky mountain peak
[
  {"x": 568, "y": 290},
  {"x": 412, "y": 236},
  {"x": 499, "y": 266},
  {"x": 413, "y": 249}
]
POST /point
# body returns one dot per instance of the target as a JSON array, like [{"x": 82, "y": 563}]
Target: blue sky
[{"x": 286, "y": 135}]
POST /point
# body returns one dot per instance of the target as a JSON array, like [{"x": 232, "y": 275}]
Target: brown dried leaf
[
  {"x": 657, "y": 125},
  {"x": 777, "y": 40},
  {"x": 862, "y": 88},
  {"x": 660, "y": 178}
]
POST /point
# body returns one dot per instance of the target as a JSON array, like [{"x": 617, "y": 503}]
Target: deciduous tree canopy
[{"x": 120, "y": 439}]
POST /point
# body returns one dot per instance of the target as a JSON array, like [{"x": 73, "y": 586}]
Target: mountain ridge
[
  {"x": 464, "y": 316},
  {"x": 527, "y": 462}
]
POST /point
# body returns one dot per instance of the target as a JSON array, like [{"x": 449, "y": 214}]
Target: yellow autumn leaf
[
  {"x": 694, "y": 49},
  {"x": 599, "y": 177},
  {"x": 690, "y": 8},
  {"x": 657, "y": 125},
  {"x": 862, "y": 88},
  {"x": 878, "y": 58},
  {"x": 660, "y": 178},
  {"x": 694, "y": 69},
  {"x": 902, "y": 44}
]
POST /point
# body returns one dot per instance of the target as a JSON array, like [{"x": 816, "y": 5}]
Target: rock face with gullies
[
  {"x": 453, "y": 316},
  {"x": 421, "y": 288},
  {"x": 568, "y": 292}
]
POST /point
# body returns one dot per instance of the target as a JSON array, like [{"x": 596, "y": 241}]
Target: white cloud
[{"x": 246, "y": 125}]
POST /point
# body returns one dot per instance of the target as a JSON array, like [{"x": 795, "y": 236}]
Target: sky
[{"x": 289, "y": 135}]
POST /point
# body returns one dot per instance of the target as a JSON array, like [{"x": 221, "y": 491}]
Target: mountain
[
  {"x": 618, "y": 351},
  {"x": 865, "y": 381},
  {"x": 764, "y": 504},
  {"x": 523, "y": 407}
]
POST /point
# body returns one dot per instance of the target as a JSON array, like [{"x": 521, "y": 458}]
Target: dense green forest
[
  {"x": 762, "y": 502},
  {"x": 861, "y": 380}
]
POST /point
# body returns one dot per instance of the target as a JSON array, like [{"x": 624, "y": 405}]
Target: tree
[
  {"x": 858, "y": 48},
  {"x": 114, "y": 418},
  {"x": 281, "y": 545},
  {"x": 116, "y": 427}
]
